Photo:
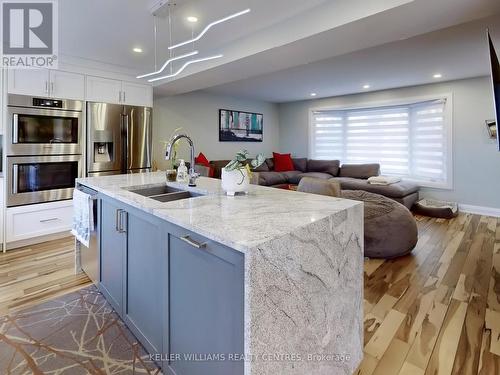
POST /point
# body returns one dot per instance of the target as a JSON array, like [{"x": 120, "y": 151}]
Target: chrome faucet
[{"x": 168, "y": 155}]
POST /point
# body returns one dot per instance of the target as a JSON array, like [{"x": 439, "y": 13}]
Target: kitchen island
[{"x": 265, "y": 283}]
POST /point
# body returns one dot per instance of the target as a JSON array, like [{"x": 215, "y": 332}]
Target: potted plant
[{"x": 236, "y": 174}]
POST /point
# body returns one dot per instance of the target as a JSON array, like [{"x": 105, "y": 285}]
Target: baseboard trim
[
  {"x": 479, "y": 210},
  {"x": 36, "y": 240}
]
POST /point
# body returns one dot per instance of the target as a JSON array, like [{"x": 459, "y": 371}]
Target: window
[{"x": 411, "y": 141}]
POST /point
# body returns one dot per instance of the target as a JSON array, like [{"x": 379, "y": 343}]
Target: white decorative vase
[{"x": 235, "y": 181}]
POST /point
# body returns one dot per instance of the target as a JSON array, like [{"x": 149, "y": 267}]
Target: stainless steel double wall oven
[{"x": 44, "y": 149}]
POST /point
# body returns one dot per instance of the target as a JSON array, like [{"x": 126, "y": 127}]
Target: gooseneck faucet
[{"x": 168, "y": 155}]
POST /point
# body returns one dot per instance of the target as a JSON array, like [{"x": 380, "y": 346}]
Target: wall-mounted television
[{"x": 495, "y": 78}]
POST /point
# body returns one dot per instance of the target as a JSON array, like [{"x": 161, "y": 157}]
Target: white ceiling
[
  {"x": 276, "y": 36},
  {"x": 457, "y": 52},
  {"x": 107, "y": 30}
]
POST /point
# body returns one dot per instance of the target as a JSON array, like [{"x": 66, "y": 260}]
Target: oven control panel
[{"x": 49, "y": 103}]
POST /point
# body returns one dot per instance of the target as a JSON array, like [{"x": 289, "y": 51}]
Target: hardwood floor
[
  {"x": 33, "y": 274},
  {"x": 435, "y": 312}
]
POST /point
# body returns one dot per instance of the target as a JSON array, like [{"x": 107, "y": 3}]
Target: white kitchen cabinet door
[
  {"x": 34, "y": 82},
  {"x": 137, "y": 94},
  {"x": 103, "y": 90},
  {"x": 66, "y": 85}
]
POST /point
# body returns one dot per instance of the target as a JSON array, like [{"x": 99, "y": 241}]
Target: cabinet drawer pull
[
  {"x": 47, "y": 220},
  {"x": 198, "y": 245}
]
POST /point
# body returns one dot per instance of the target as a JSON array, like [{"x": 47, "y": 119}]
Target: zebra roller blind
[{"x": 407, "y": 140}]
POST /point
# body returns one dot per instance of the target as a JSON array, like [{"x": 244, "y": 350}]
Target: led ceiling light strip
[
  {"x": 184, "y": 67},
  {"x": 168, "y": 62},
  {"x": 200, "y": 35}
]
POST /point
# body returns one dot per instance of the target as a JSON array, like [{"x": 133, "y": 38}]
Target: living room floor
[
  {"x": 34, "y": 274},
  {"x": 436, "y": 311}
]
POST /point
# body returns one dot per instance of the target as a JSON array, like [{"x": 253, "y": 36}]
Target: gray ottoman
[{"x": 390, "y": 228}]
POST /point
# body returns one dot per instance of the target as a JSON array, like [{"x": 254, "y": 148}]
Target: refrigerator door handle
[{"x": 127, "y": 140}]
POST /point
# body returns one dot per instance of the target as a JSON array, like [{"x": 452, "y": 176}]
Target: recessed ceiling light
[
  {"x": 313, "y": 94},
  {"x": 137, "y": 50},
  {"x": 437, "y": 75},
  {"x": 366, "y": 87},
  {"x": 192, "y": 19}
]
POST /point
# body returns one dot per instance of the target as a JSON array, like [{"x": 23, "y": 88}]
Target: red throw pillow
[
  {"x": 202, "y": 159},
  {"x": 283, "y": 162}
]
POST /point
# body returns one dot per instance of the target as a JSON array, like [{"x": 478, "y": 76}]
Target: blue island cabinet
[
  {"x": 113, "y": 241},
  {"x": 181, "y": 294},
  {"x": 133, "y": 259},
  {"x": 206, "y": 306}
]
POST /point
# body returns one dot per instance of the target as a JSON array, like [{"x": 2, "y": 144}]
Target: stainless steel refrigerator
[{"x": 118, "y": 139}]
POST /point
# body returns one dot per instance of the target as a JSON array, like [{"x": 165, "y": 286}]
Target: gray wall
[
  {"x": 197, "y": 113},
  {"x": 476, "y": 160}
]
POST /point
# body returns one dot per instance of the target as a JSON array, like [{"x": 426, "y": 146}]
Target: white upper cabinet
[
  {"x": 137, "y": 94},
  {"x": 34, "y": 82},
  {"x": 118, "y": 92},
  {"x": 66, "y": 85},
  {"x": 103, "y": 90},
  {"x": 42, "y": 82}
]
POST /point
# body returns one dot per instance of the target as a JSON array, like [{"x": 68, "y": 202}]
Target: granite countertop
[{"x": 241, "y": 222}]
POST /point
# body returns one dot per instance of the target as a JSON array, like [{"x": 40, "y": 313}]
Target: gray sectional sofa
[{"x": 350, "y": 177}]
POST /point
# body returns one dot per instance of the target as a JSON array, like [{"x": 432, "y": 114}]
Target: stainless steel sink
[
  {"x": 156, "y": 190},
  {"x": 164, "y": 193}
]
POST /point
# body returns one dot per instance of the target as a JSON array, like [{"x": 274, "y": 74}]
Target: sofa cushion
[
  {"x": 326, "y": 166},
  {"x": 290, "y": 175},
  {"x": 262, "y": 168},
  {"x": 270, "y": 163},
  {"x": 300, "y": 164},
  {"x": 319, "y": 186},
  {"x": 271, "y": 178},
  {"x": 359, "y": 170},
  {"x": 397, "y": 190},
  {"x": 295, "y": 179}
]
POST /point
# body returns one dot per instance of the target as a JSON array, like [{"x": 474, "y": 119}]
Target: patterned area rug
[{"x": 78, "y": 333}]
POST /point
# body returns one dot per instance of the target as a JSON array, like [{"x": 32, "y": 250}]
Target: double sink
[{"x": 164, "y": 193}]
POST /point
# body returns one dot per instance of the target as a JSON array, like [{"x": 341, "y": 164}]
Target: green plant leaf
[
  {"x": 258, "y": 161},
  {"x": 233, "y": 165},
  {"x": 242, "y": 155}
]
